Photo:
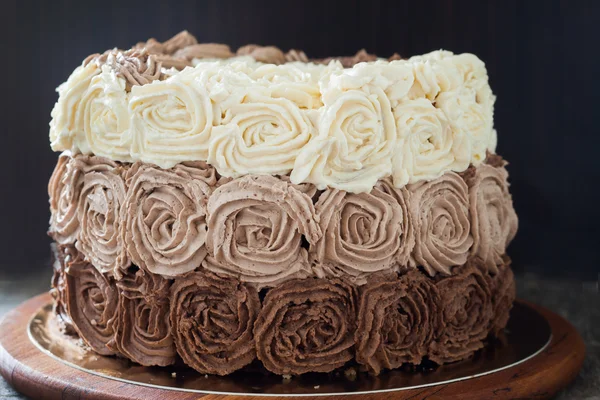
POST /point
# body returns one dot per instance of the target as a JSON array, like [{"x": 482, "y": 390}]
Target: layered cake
[{"x": 223, "y": 208}]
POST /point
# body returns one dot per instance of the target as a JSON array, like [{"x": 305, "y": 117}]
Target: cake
[{"x": 301, "y": 215}]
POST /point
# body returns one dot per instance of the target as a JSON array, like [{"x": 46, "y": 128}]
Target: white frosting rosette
[
  {"x": 65, "y": 124},
  {"x": 356, "y": 130},
  {"x": 433, "y": 77},
  {"x": 429, "y": 144},
  {"x": 261, "y": 135},
  {"x": 463, "y": 93},
  {"x": 171, "y": 121},
  {"x": 298, "y": 82},
  {"x": 104, "y": 118},
  {"x": 475, "y": 117}
]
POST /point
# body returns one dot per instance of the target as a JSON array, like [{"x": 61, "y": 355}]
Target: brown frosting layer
[
  {"x": 138, "y": 67},
  {"x": 256, "y": 225},
  {"x": 350, "y": 61},
  {"x": 204, "y": 50},
  {"x": 62, "y": 255},
  {"x": 64, "y": 188},
  {"x": 362, "y": 232},
  {"x": 165, "y": 216},
  {"x": 266, "y": 54},
  {"x": 218, "y": 326},
  {"x": 92, "y": 303},
  {"x": 212, "y": 319},
  {"x": 307, "y": 325},
  {"x": 265, "y": 230},
  {"x": 143, "y": 328},
  {"x": 504, "y": 293},
  {"x": 397, "y": 320},
  {"x": 440, "y": 214},
  {"x": 494, "y": 222},
  {"x": 466, "y": 315},
  {"x": 100, "y": 200}
]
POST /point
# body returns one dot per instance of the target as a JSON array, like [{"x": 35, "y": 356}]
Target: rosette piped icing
[{"x": 256, "y": 208}]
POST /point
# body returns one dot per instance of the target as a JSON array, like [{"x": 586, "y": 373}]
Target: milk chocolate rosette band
[
  {"x": 165, "y": 216},
  {"x": 307, "y": 325},
  {"x": 256, "y": 226},
  {"x": 64, "y": 188},
  {"x": 362, "y": 233},
  {"x": 398, "y": 318},
  {"x": 142, "y": 328},
  {"x": 494, "y": 222},
  {"x": 100, "y": 201},
  {"x": 212, "y": 318},
  {"x": 440, "y": 213}
]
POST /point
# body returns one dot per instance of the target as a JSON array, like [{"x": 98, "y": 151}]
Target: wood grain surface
[{"x": 39, "y": 376}]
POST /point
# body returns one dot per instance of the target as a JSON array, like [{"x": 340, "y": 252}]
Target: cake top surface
[{"x": 341, "y": 122}]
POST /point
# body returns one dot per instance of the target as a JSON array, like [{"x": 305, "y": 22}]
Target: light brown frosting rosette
[
  {"x": 256, "y": 225},
  {"x": 204, "y": 50},
  {"x": 504, "y": 293},
  {"x": 397, "y": 320},
  {"x": 169, "y": 47},
  {"x": 466, "y": 314},
  {"x": 62, "y": 256},
  {"x": 138, "y": 67},
  {"x": 350, "y": 61},
  {"x": 212, "y": 319},
  {"x": 440, "y": 214},
  {"x": 494, "y": 222},
  {"x": 363, "y": 233},
  {"x": 306, "y": 325},
  {"x": 92, "y": 301},
  {"x": 265, "y": 54},
  {"x": 143, "y": 327},
  {"x": 64, "y": 189},
  {"x": 100, "y": 201},
  {"x": 165, "y": 216}
]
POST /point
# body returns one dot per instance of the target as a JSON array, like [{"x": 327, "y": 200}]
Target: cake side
[{"x": 222, "y": 208}]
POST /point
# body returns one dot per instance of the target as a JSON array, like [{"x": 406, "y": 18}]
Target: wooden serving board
[{"x": 39, "y": 376}]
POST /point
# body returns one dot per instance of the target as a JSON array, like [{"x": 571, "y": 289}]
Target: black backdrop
[{"x": 542, "y": 58}]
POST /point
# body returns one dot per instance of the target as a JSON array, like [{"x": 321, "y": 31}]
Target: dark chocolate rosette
[
  {"x": 256, "y": 227},
  {"x": 164, "y": 216},
  {"x": 363, "y": 233},
  {"x": 143, "y": 327},
  {"x": 212, "y": 319},
  {"x": 503, "y": 295},
  {"x": 92, "y": 303},
  {"x": 306, "y": 325},
  {"x": 62, "y": 255},
  {"x": 466, "y": 314},
  {"x": 101, "y": 197},
  {"x": 397, "y": 320},
  {"x": 494, "y": 222},
  {"x": 440, "y": 214}
]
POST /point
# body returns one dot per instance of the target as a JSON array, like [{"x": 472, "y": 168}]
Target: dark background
[{"x": 542, "y": 58}]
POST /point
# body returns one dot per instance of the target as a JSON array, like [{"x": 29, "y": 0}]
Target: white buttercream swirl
[
  {"x": 335, "y": 127},
  {"x": 171, "y": 121},
  {"x": 262, "y": 135}
]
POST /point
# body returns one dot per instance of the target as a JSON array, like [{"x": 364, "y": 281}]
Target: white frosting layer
[{"x": 344, "y": 128}]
